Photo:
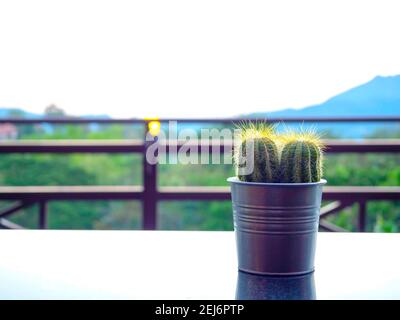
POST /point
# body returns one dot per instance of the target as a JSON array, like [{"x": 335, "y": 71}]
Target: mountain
[
  {"x": 378, "y": 97},
  {"x": 17, "y": 112}
]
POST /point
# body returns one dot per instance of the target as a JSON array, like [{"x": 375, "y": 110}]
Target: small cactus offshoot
[{"x": 292, "y": 157}]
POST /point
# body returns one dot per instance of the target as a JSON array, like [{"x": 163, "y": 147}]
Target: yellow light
[{"x": 154, "y": 127}]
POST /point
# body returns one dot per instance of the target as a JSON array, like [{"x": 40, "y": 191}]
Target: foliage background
[{"x": 126, "y": 169}]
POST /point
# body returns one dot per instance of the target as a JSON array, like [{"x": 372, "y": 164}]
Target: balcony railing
[{"x": 150, "y": 193}]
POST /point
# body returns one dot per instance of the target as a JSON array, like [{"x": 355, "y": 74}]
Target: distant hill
[
  {"x": 17, "y": 112},
  {"x": 13, "y": 112},
  {"x": 378, "y": 97}
]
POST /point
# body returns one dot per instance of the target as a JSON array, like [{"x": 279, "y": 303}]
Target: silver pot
[{"x": 276, "y": 226}]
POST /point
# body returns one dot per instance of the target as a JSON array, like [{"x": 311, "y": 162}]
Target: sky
[{"x": 206, "y": 58}]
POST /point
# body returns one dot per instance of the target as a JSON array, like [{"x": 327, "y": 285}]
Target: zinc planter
[{"x": 276, "y": 226}]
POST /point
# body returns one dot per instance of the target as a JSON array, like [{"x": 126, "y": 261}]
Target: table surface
[{"x": 184, "y": 265}]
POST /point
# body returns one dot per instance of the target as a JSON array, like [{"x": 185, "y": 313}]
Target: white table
[{"x": 178, "y": 265}]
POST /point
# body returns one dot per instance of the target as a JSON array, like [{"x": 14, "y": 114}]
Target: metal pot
[{"x": 276, "y": 226}]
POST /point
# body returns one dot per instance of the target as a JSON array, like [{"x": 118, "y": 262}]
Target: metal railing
[{"x": 150, "y": 193}]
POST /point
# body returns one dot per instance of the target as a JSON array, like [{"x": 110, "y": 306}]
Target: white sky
[{"x": 191, "y": 58}]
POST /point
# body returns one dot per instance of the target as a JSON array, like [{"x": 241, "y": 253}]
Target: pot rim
[{"x": 270, "y": 184}]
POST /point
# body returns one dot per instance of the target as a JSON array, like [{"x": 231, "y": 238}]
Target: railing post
[
  {"x": 150, "y": 188},
  {"x": 43, "y": 214},
  {"x": 362, "y": 215}
]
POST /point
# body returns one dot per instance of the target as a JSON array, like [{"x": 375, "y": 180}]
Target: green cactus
[
  {"x": 301, "y": 161},
  {"x": 291, "y": 157},
  {"x": 266, "y": 160}
]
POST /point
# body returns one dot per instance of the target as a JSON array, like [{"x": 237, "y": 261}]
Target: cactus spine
[
  {"x": 301, "y": 162},
  {"x": 265, "y": 159}
]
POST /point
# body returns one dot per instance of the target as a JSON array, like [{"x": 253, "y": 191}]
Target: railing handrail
[
  {"x": 174, "y": 192},
  {"x": 138, "y": 146},
  {"x": 78, "y": 120}
]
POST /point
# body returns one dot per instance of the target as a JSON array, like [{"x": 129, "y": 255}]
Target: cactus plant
[
  {"x": 265, "y": 160},
  {"x": 301, "y": 158},
  {"x": 257, "y": 139}
]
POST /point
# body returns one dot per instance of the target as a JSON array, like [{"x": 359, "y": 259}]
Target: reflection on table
[{"x": 260, "y": 287}]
